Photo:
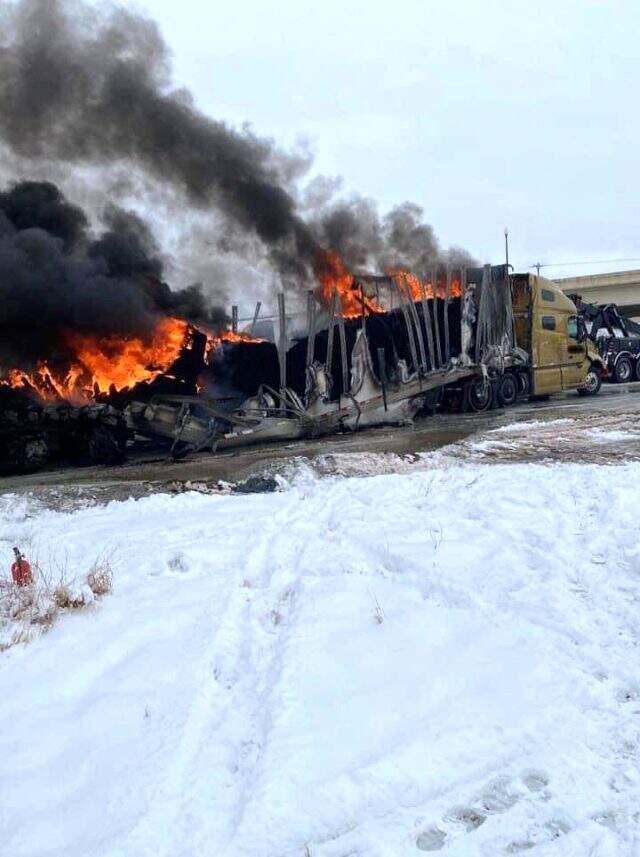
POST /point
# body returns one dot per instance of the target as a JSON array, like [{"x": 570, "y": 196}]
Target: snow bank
[
  {"x": 531, "y": 425},
  {"x": 239, "y": 696},
  {"x": 604, "y": 436}
]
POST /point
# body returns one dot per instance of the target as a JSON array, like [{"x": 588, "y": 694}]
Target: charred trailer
[
  {"x": 449, "y": 337},
  {"x": 470, "y": 338}
]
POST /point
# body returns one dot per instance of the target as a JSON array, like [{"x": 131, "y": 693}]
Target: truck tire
[
  {"x": 623, "y": 370},
  {"x": 478, "y": 395},
  {"x": 637, "y": 375},
  {"x": 103, "y": 446},
  {"x": 507, "y": 391},
  {"x": 29, "y": 454},
  {"x": 592, "y": 383},
  {"x": 524, "y": 384}
]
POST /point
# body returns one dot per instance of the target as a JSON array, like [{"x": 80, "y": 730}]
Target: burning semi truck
[
  {"x": 381, "y": 349},
  {"x": 377, "y": 350}
]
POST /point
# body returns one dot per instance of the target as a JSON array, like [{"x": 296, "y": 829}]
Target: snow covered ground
[{"x": 443, "y": 659}]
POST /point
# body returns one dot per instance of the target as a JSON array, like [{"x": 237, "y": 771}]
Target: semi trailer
[{"x": 497, "y": 338}]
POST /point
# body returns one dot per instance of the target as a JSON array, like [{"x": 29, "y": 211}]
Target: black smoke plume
[
  {"x": 84, "y": 84},
  {"x": 56, "y": 277},
  {"x": 92, "y": 84}
]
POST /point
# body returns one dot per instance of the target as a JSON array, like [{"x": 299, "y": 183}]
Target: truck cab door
[
  {"x": 574, "y": 369},
  {"x": 548, "y": 353}
]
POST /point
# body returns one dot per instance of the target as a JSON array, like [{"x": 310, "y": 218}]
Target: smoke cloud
[
  {"x": 85, "y": 84},
  {"x": 92, "y": 84},
  {"x": 399, "y": 240},
  {"x": 89, "y": 87},
  {"x": 56, "y": 277}
]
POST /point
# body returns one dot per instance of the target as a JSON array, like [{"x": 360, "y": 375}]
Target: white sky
[{"x": 487, "y": 114}]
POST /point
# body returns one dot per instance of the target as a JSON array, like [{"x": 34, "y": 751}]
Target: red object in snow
[{"x": 21, "y": 570}]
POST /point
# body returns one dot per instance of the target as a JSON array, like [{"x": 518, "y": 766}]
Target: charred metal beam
[
  {"x": 404, "y": 300},
  {"x": 446, "y": 313},
  {"x": 282, "y": 343},
  {"x": 343, "y": 354},
  {"x": 426, "y": 314},
  {"x": 420, "y": 338},
  {"x": 330, "y": 335},
  {"x": 255, "y": 316},
  {"x": 311, "y": 335},
  {"x": 436, "y": 322},
  {"x": 382, "y": 372}
]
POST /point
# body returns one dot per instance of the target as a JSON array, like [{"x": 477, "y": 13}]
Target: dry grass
[
  {"x": 100, "y": 578},
  {"x": 28, "y": 611},
  {"x": 378, "y": 612}
]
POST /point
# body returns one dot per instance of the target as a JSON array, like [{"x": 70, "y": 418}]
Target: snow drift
[{"x": 439, "y": 660}]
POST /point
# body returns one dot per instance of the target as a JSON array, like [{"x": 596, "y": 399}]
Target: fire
[
  {"x": 416, "y": 289},
  {"x": 120, "y": 363},
  {"x": 334, "y": 276},
  {"x": 216, "y": 339},
  {"x": 103, "y": 364},
  {"x": 41, "y": 380}
]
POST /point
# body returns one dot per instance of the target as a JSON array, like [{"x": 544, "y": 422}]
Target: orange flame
[
  {"x": 416, "y": 289},
  {"x": 118, "y": 362},
  {"x": 333, "y": 276},
  {"x": 215, "y": 340},
  {"x": 103, "y": 364}
]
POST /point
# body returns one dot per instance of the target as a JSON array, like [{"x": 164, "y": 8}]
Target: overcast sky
[{"x": 487, "y": 114}]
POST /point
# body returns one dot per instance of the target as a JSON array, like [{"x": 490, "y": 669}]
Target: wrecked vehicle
[
  {"x": 34, "y": 435},
  {"x": 375, "y": 350},
  {"x": 483, "y": 338}
]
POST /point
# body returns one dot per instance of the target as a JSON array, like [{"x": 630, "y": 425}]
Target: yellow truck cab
[{"x": 548, "y": 327}]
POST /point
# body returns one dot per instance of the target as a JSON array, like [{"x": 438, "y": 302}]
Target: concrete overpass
[{"x": 618, "y": 287}]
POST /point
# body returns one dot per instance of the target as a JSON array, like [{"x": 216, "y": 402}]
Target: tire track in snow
[
  {"x": 161, "y": 830},
  {"x": 178, "y": 805},
  {"x": 269, "y": 619},
  {"x": 202, "y": 797}
]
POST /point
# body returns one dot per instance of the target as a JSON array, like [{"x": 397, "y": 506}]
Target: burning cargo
[
  {"x": 455, "y": 335},
  {"x": 354, "y": 369}
]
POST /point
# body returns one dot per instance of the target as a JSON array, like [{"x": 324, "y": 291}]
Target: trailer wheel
[
  {"x": 524, "y": 384},
  {"x": 507, "y": 391},
  {"x": 29, "y": 454},
  {"x": 103, "y": 446},
  {"x": 623, "y": 370},
  {"x": 478, "y": 395},
  {"x": 592, "y": 383}
]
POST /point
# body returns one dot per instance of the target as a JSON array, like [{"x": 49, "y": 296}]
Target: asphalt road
[{"x": 145, "y": 474}]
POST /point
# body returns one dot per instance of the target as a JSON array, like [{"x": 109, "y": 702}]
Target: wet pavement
[{"x": 603, "y": 429}]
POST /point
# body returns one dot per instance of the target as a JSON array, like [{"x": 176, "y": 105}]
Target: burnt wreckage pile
[
  {"x": 381, "y": 367},
  {"x": 38, "y": 427},
  {"x": 34, "y": 433}
]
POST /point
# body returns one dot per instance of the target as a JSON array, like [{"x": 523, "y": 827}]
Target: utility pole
[
  {"x": 537, "y": 266},
  {"x": 506, "y": 247}
]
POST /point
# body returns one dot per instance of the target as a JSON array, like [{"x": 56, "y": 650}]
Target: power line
[{"x": 582, "y": 262}]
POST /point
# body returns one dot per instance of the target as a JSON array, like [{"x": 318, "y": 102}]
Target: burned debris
[
  {"x": 34, "y": 434},
  {"x": 88, "y": 323},
  {"x": 378, "y": 367},
  {"x": 227, "y": 389}
]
